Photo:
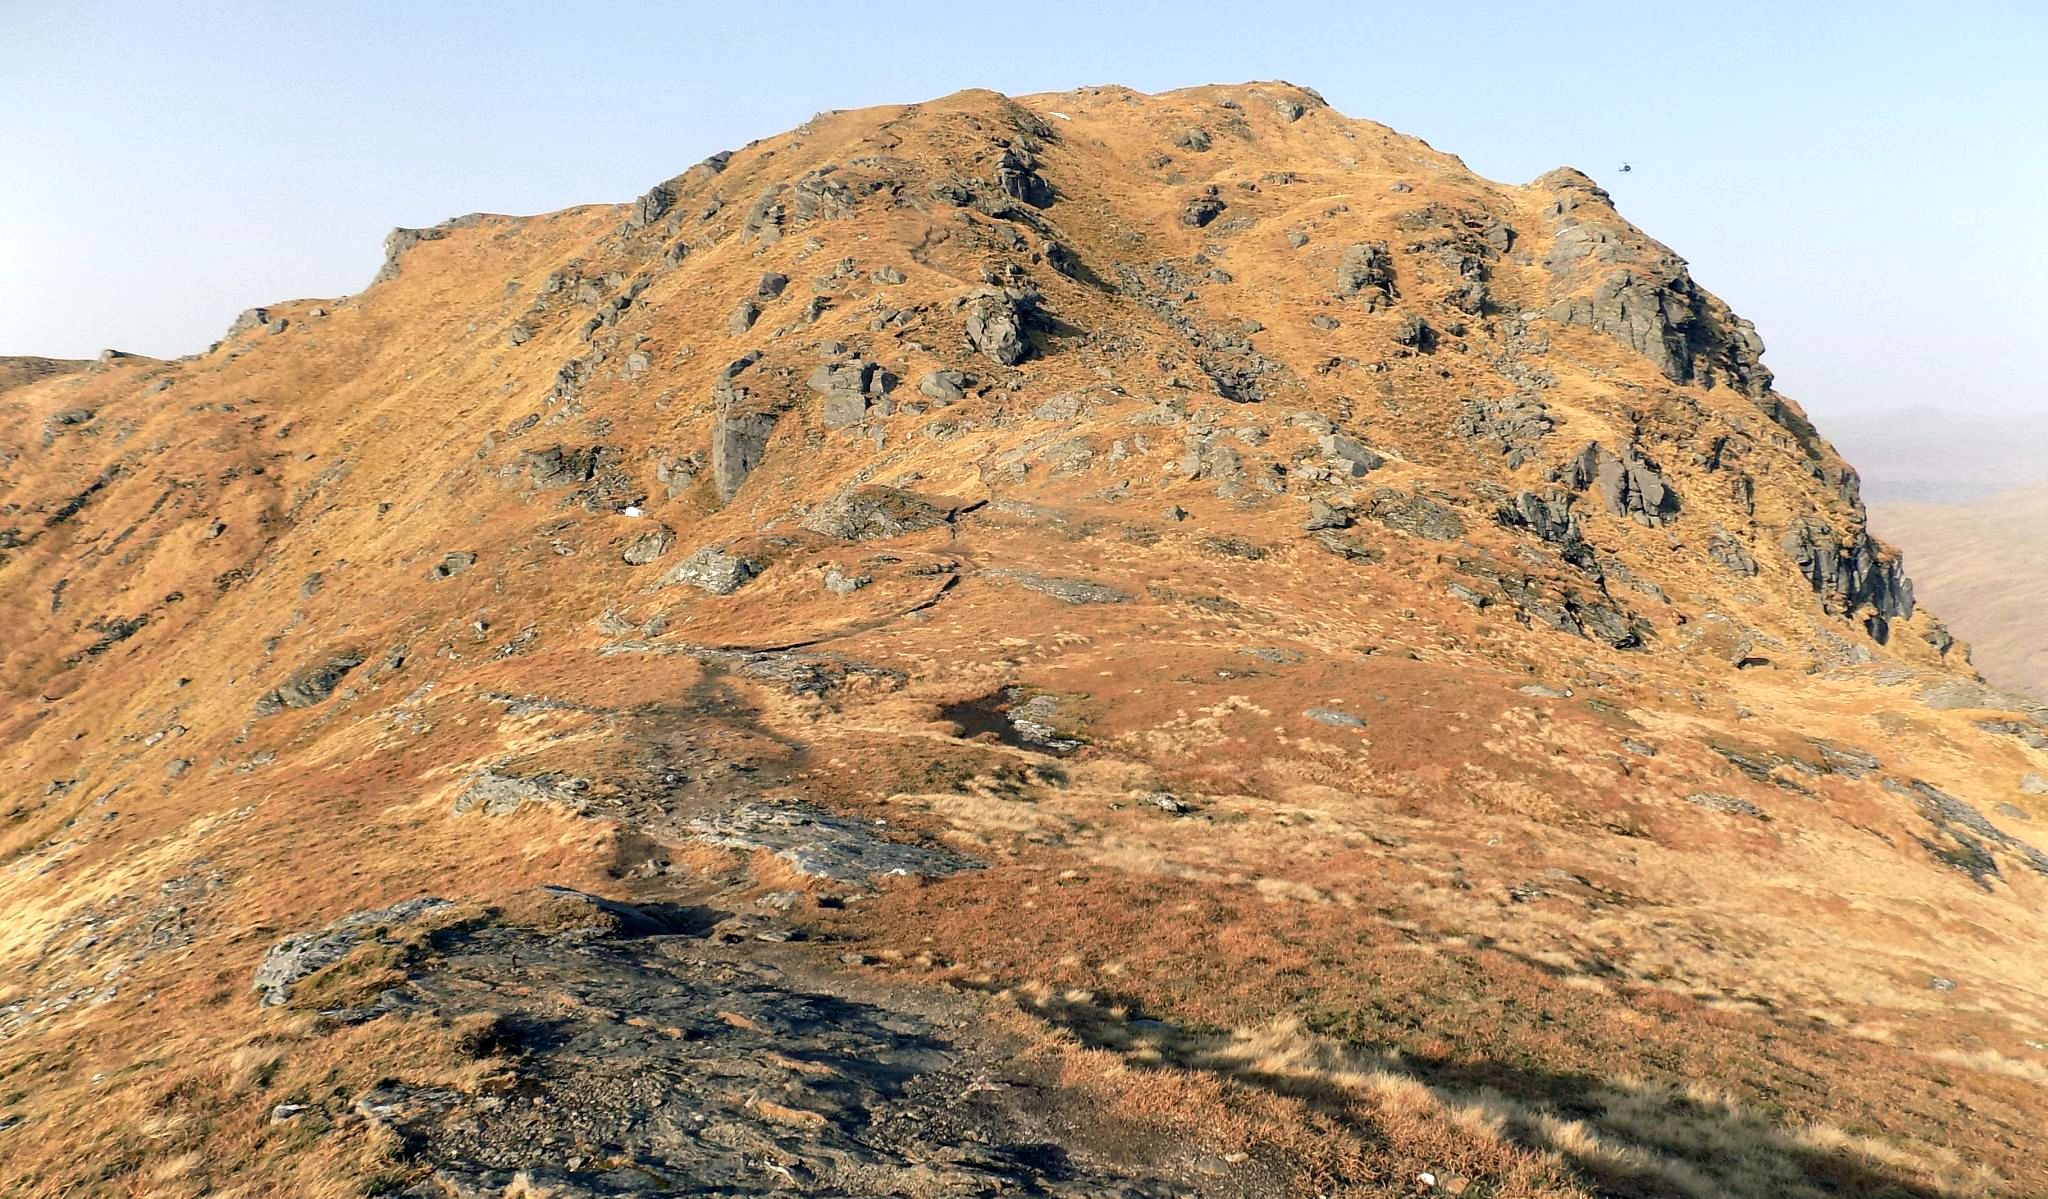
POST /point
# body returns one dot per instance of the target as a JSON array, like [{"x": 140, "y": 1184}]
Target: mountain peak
[{"x": 1000, "y": 586}]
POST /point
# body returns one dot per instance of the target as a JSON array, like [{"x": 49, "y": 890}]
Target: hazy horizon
[{"x": 1835, "y": 182}]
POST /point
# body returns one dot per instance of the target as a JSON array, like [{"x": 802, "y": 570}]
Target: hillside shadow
[{"x": 1625, "y": 1141}]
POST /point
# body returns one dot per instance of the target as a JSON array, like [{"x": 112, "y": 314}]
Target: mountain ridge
[{"x": 1116, "y": 568}]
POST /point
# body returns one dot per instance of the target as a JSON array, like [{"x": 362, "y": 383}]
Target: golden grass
[
  {"x": 1413, "y": 1048},
  {"x": 1356, "y": 883},
  {"x": 1693, "y": 1141},
  {"x": 192, "y": 1114}
]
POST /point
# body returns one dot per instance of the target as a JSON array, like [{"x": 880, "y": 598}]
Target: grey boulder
[
  {"x": 944, "y": 386},
  {"x": 293, "y": 959},
  {"x": 994, "y": 326},
  {"x": 649, "y": 546},
  {"x": 873, "y": 513},
  {"x": 713, "y": 571}
]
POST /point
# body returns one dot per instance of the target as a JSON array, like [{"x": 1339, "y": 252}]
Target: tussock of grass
[{"x": 2033, "y": 1070}]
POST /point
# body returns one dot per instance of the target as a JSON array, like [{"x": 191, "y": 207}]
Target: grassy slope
[{"x": 1690, "y": 982}]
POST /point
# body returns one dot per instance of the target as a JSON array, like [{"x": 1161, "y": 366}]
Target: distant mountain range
[{"x": 1931, "y": 455}]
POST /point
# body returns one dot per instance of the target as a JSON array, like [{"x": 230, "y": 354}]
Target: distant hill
[
  {"x": 1983, "y": 567},
  {"x": 16, "y": 371},
  {"x": 1941, "y": 456}
]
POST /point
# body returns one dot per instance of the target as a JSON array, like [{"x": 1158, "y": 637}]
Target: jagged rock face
[
  {"x": 1618, "y": 282},
  {"x": 1367, "y": 270},
  {"x": 1018, "y": 178},
  {"x": 738, "y": 443},
  {"x": 739, "y": 431},
  {"x": 651, "y": 206},
  {"x": 1628, "y": 484},
  {"x": 1215, "y": 567},
  {"x": 1852, "y": 572},
  {"x": 1731, "y": 553},
  {"x": 1548, "y": 514}
]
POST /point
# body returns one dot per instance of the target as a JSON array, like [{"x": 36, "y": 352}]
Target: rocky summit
[{"x": 1085, "y": 644}]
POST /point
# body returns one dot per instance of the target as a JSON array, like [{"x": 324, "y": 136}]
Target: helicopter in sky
[{"x": 1626, "y": 167}]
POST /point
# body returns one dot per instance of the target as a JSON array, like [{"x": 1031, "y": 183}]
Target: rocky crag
[{"x": 1091, "y": 644}]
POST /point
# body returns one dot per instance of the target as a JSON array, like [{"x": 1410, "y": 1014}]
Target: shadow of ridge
[{"x": 1687, "y": 1156}]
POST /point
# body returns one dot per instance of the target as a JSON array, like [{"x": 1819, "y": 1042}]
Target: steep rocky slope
[
  {"x": 1986, "y": 565},
  {"x": 1093, "y": 643}
]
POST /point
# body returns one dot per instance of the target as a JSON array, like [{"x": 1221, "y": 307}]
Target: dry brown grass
[
  {"x": 1422, "y": 1051},
  {"x": 1633, "y": 1136},
  {"x": 1371, "y": 884},
  {"x": 190, "y": 1113}
]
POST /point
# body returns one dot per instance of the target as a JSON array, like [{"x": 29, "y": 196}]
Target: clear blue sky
[{"x": 1868, "y": 182}]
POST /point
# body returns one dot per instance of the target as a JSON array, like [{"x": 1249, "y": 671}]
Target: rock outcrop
[
  {"x": 1089, "y": 644},
  {"x": 874, "y": 513},
  {"x": 853, "y": 390},
  {"x": 1367, "y": 271},
  {"x": 1607, "y": 276},
  {"x": 995, "y": 325},
  {"x": 311, "y": 684},
  {"x": 713, "y": 571},
  {"x": 1850, "y": 572},
  {"x": 1628, "y": 484},
  {"x": 740, "y": 429},
  {"x": 297, "y": 957}
]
